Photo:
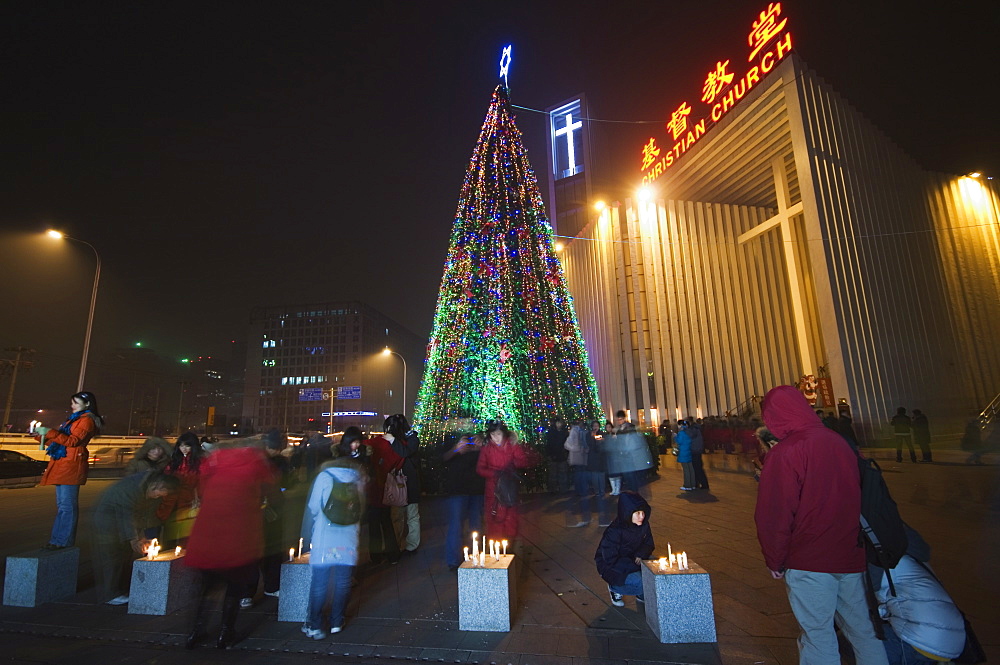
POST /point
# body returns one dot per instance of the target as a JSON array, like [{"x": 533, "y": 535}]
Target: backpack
[
  {"x": 507, "y": 487},
  {"x": 344, "y": 504},
  {"x": 882, "y": 528}
]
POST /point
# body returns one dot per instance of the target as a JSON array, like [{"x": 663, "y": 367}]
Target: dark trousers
[
  {"x": 908, "y": 440},
  {"x": 700, "y": 479},
  {"x": 382, "y": 541}
]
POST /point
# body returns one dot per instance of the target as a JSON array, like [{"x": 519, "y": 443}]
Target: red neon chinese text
[
  {"x": 678, "y": 120},
  {"x": 765, "y": 28},
  {"x": 649, "y": 153},
  {"x": 715, "y": 82}
]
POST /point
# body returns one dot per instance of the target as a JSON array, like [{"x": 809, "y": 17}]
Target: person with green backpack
[{"x": 331, "y": 527}]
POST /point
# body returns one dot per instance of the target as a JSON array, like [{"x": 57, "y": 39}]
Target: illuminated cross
[
  {"x": 568, "y": 131},
  {"x": 789, "y": 242}
]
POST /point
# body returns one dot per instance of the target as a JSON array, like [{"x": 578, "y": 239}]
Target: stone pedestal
[
  {"x": 487, "y": 596},
  {"x": 679, "y": 605},
  {"x": 162, "y": 585},
  {"x": 41, "y": 576},
  {"x": 293, "y": 601}
]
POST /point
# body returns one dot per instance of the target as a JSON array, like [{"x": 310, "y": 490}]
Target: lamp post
[
  {"x": 93, "y": 303},
  {"x": 386, "y": 351}
]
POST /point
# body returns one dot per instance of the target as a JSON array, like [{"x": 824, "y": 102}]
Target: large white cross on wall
[
  {"x": 788, "y": 241},
  {"x": 568, "y": 132}
]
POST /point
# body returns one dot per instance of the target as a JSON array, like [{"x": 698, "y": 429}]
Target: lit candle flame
[
  {"x": 177, "y": 551},
  {"x": 504, "y": 543},
  {"x": 291, "y": 554},
  {"x": 153, "y": 549}
]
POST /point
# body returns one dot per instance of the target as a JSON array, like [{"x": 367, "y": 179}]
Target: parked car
[
  {"x": 111, "y": 456},
  {"x": 18, "y": 465}
]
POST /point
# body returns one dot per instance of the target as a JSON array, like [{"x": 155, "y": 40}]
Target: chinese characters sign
[{"x": 769, "y": 43}]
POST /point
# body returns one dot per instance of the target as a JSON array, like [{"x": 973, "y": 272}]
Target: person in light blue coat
[{"x": 333, "y": 547}]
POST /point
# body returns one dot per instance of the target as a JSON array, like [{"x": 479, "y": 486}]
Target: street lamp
[
  {"x": 93, "y": 302},
  {"x": 386, "y": 351}
]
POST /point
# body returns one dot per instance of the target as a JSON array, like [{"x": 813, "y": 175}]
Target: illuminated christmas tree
[{"x": 506, "y": 343}]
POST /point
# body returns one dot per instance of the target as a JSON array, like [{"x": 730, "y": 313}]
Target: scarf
[{"x": 57, "y": 450}]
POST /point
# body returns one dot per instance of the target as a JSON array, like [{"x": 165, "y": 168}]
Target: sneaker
[
  {"x": 246, "y": 603},
  {"x": 335, "y": 629},
  {"x": 616, "y": 598},
  {"x": 312, "y": 633},
  {"x": 640, "y": 599},
  {"x": 688, "y": 489},
  {"x": 119, "y": 600},
  {"x": 272, "y": 594},
  {"x": 578, "y": 525}
]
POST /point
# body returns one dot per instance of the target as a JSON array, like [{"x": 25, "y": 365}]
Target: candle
[
  {"x": 663, "y": 563},
  {"x": 300, "y": 547},
  {"x": 291, "y": 554},
  {"x": 492, "y": 548},
  {"x": 504, "y": 543},
  {"x": 669, "y": 551},
  {"x": 482, "y": 559},
  {"x": 177, "y": 551},
  {"x": 153, "y": 549},
  {"x": 475, "y": 546},
  {"x": 484, "y": 543},
  {"x": 465, "y": 553},
  {"x": 671, "y": 560}
]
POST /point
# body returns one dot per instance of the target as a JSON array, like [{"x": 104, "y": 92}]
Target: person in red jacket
[
  {"x": 501, "y": 451},
  {"x": 67, "y": 469},
  {"x": 383, "y": 543},
  {"x": 227, "y": 539},
  {"x": 808, "y": 512}
]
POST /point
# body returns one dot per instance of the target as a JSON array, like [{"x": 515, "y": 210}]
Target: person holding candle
[
  {"x": 464, "y": 488},
  {"x": 501, "y": 451},
  {"x": 67, "y": 469},
  {"x": 625, "y": 543},
  {"x": 227, "y": 540},
  {"x": 334, "y": 546},
  {"x": 120, "y": 519}
]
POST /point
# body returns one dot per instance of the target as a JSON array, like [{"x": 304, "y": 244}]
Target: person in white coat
[{"x": 333, "y": 547}]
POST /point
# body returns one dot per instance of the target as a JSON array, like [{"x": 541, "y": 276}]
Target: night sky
[{"x": 224, "y": 155}]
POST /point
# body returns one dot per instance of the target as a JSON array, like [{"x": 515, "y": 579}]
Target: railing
[
  {"x": 747, "y": 408},
  {"x": 989, "y": 414}
]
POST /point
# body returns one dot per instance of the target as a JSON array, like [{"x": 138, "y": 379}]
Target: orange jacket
[{"x": 72, "y": 469}]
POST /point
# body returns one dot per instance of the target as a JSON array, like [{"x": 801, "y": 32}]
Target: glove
[{"x": 42, "y": 431}]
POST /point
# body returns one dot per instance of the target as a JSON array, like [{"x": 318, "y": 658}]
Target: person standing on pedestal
[
  {"x": 807, "y": 516},
  {"x": 903, "y": 428},
  {"x": 625, "y": 543},
  {"x": 922, "y": 435},
  {"x": 68, "y": 464}
]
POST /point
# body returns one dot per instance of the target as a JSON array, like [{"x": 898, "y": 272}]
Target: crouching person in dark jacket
[{"x": 625, "y": 543}]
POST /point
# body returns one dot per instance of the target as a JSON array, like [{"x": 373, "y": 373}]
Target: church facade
[{"x": 789, "y": 241}]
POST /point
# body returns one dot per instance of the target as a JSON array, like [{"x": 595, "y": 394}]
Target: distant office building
[
  {"x": 298, "y": 354},
  {"x": 783, "y": 240}
]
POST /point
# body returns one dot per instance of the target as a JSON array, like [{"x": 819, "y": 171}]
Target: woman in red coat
[
  {"x": 382, "y": 541},
  {"x": 67, "y": 469},
  {"x": 501, "y": 451},
  {"x": 227, "y": 540}
]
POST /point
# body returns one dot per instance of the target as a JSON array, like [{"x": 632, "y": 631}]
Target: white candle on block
[
  {"x": 177, "y": 551},
  {"x": 484, "y": 544},
  {"x": 663, "y": 563},
  {"x": 492, "y": 547},
  {"x": 482, "y": 559},
  {"x": 465, "y": 552},
  {"x": 504, "y": 543},
  {"x": 475, "y": 546},
  {"x": 300, "y": 547},
  {"x": 291, "y": 554},
  {"x": 669, "y": 551}
]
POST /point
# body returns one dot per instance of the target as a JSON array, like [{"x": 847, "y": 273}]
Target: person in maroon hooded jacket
[{"x": 807, "y": 515}]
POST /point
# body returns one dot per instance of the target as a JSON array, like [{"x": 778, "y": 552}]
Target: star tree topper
[{"x": 505, "y": 64}]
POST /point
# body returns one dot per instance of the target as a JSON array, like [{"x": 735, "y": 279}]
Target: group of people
[
  {"x": 908, "y": 431},
  {"x": 224, "y": 507}
]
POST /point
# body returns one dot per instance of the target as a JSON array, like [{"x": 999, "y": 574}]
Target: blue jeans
[
  {"x": 319, "y": 589},
  {"x": 461, "y": 507},
  {"x": 67, "y": 512},
  {"x": 587, "y": 482},
  {"x": 631, "y": 587}
]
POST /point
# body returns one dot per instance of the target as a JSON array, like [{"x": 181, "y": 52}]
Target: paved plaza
[{"x": 564, "y": 616}]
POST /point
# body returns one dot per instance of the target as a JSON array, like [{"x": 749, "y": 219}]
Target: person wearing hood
[
  {"x": 625, "y": 543},
  {"x": 807, "y": 516},
  {"x": 154, "y": 455}
]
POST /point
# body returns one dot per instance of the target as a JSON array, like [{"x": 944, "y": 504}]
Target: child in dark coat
[{"x": 625, "y": 543}]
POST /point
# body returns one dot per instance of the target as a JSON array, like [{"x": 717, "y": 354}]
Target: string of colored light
[{"x": 506, "y": 344}]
